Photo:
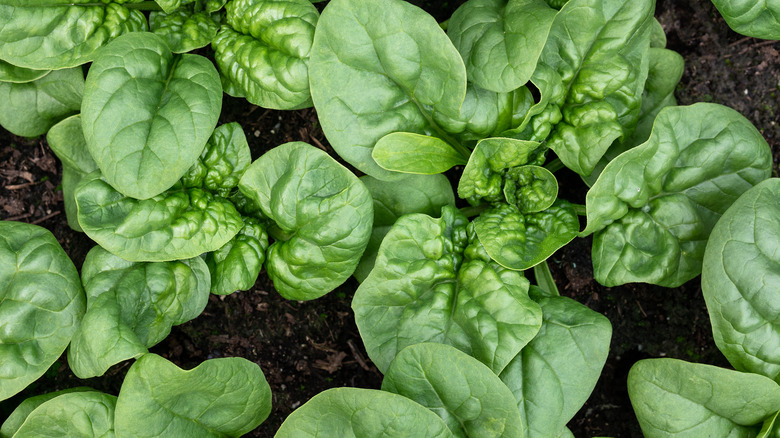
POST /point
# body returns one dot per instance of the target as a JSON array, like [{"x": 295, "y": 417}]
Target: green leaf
[
  {"x": 57, "y": 34},
  {"x": 593, "y": 67},
  {"x": 415, "y": 194},
  {"x": 653, "y": 207},
  {"x": 423, "y": 289},
  {"x": 681, "y": 399},
  {"x": 519, "y": 240},
  {"x": 168, "y": 6},
  {"x": 147, "y": 114},
  {"x": 178, "y": 224},
  {"x": 382, "y": 66},
  {"x": 31, "y": 108},
  {"x": 771, "y": 427},
  {"x": 38, "y": 283},
  {"x": 132, "y": 306},
  {"x": 556, "y": 372},
  {"x": 740, "y": 278},
  {"x": 322, "y": 217},
  {"x": 758, "y": 19},
  {"x": 237, "y": 265},
  {"x": 19, "y": 75},
  {"x": 23, "y": 410},
  {"x": 185, "y": 29},
  {"x": 263, "y": 51},
  {"x": 220, "y": 397},
  {"x": 81, "y": 414},
  {"x": 468, "y": 396},
  {"x": 414, "y": 153},
  {"x": 530, "y": 188},
  {"x": 357, "y": 413},
  {"x": 500, "y": 40},
  {"x": 221, "y": 164}
]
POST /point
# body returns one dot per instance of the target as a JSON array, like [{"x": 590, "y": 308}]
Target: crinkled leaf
[
  {"x": 132, "y": 306},
  {"x": 38, "y": 283},
  {"x": 654, "y": 206},
  {"x": 758, "y": 19},
  {"x": 185, "y": 29},
  {"x": 519, "y": 240},
  {"x": 423, "y": 289},
  {"x": 31, "y": 108},
  {"x": 19, "y": 75},
  {"x": 672, "y": 398},
  {"x": 416, "y": 194},
  {"x": 57, "y": 34},
  {"x": 414, "y": 153},
  {"x": 322, "y": 217},
  {"x": 23, "y": 410},
  {"x": 178, "y": 224},
  {"x": 469, "y": 397},
  {"x": 81, "y": 414},
  {"x": 530, "y": 188},
  {"x": 381, "y": 66},
  {"x": 148, "y": 114},
  {"x": 357, "y": 413},
  {"x": 237, "y": 265},
  {"x": 556, "y": 372},
  {"x": 223, "y": 161},
  {"x": 483, "y": 176},
  {"x": 220, "y": 397},
  {"x": 263, "y": 51},
  {"x": 741, "y": 281},
  {"x": 500, "y": 40},
  {"x": 168, "y": 6},
  {"x": 593, "y": 67}
]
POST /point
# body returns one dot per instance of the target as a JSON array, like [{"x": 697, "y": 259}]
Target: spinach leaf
[
  {"x": 19, "y": 75},
  {"x": 185, "y": 29},
  {"x": 65, "y": 415},
  {"x": 758, "y": 19},
  {"x": 61, "y": 33},
  {"x": 321, "y": 216},
  {"x": 740, "y": 277},
  {"x": 414, "y": 153},
  {"x": 219, "y": 397},
  {"x": 222, "y": 162},
  {"x": 468, "y": 396},
  {"x": 147, "y": 114},
  {"x": 433, "y": 283},
  {"x": 237, "y": 265},
  {"x": 39, "y": 283},
  {"x": 132, "y": 306},
  {"x": 378, "y": 67},
  {"x": 653, "y": 207},
  {"x": 31, "y": 108},
  {"x": 681, "y": 399},
  {"x": 356, "y": 413},
  {"x": 500, "y": 40},
  {"x": 23, "y": 410},
  {"x": 263, "y": 51}
]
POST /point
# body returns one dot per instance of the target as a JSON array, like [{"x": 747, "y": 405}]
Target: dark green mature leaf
[
  {"x": 500, "y": 40},
  {"x": 423, "y": 289},
  {"x": 57, "y": 34},
  {"x": 519, "y": 240},
  {"x": 416, "y": 194},
  {"x": 414, "y": 153},
  {"x": 39, "y": 283},
  {"x": 593, "y": 68},
  {"x": 31, "y": 108},
  {"x": 87, "y": 414},
  {"x": 179, "y": 224},
  {"x": 147, "y": 114},
  {"x": 237, "y": 265},
  {"x": 382, "y": 66},
  {"x": 322, "y": 217},
  {"x": 225, "y": 397},
  {"x": 758, "y": 19},
  {"x": 556, "y": 372},
  {"x": 468, "y": 396},
  {"x": 358, "y": 413},
  {"x": 185, "y": 29},
  {"x": 673, "y": 398},
  {"x": 741, "y": 281},
  {"x": 653, "y": 207},
  {"x": 19, "y": 75},
  {"x": 23, "y": 410},
  {"x": 132, "y": 306},
  {"x": 263, "y": 51}
]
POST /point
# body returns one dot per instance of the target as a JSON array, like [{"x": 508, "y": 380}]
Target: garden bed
[{"x": 306, "y": 347}]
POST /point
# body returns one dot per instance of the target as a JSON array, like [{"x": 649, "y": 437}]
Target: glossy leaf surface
[
  {"x": 758, "y": 19},
  {"x": 81, "y": 414},
  {"x": 222, "y": 162},
  {"x": 185, "y": 29},
  {"x": 237, "y": 265},
  {"x": 413, "y": 153},
  {"x": 23, "y": 410}
]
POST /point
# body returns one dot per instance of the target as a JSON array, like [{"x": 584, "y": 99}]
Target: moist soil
[{"x": 307, "y": 347}]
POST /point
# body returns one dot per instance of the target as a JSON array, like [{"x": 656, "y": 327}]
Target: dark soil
[{"x": 307, "y": 347}]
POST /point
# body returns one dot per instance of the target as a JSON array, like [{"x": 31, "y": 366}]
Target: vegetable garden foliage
[{"x": 510, "y": 92}]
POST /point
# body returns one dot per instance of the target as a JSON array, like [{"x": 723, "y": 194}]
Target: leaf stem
[
  {"x": 544, "y": 278},
  {"x": 444, "y": 24},
  {"x": 474, "y": 210},
  {"x": 580, "y": 209},
  {"x": 554, "y": 165}
]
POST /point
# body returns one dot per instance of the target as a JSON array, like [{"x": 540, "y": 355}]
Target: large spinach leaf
[
  {"x": 653, "y": 207},
  {"x": 741, "y": 281},
  {"x": 759, "y": 19}
]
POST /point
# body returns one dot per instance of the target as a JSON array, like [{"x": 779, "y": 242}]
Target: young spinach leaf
[
  {"x": 72, "y": 414},
  {"x": 185, "y": 29},
  {"x": 759, "y": 19}
]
